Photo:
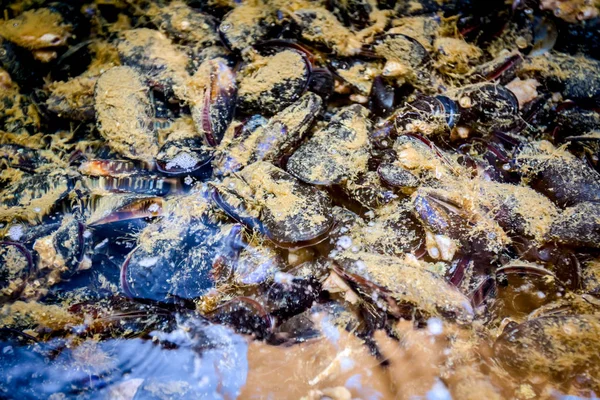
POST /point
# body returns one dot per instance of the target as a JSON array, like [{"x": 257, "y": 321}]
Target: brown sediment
[
  {"x": 312, "y": 369},
  {"x": 523, "y": 89}
]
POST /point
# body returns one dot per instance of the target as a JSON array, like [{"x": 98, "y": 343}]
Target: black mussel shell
[
  {"x": 292, "y": 295},
  {"x": 185, "y": 157},
  {"x": 16, "y": 264},
  {"x": 245, "y": 315}
]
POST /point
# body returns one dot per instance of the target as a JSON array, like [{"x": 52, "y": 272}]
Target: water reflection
[{"x": 197, "y": 360}]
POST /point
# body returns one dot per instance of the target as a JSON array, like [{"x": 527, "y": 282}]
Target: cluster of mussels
[{"x": 324, "y": 199}]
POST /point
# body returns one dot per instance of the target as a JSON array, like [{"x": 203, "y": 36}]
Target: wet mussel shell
[
  {"x": 166, "y": 270},
  {"x": 244, "y": 315},
  {"x": 560, "y": 346},
  {"x": 275, "y": 85},
  {"x": 487, "y": 107},
  {"x": 244, "y": 26},
  {"x": 185, "y": 157},
  {"x": 335, "y": 153},
  {"x": 577, "y": 226},
  {"x": 164, "y": 278},
  {"x": 292, "y": 295},
  {"x": 71, "y": 245},
  {"x": 523, "y": 288},
  {"x": 398, "y": 177},
  {"x": 297, "y": 216},
  {"x": 16, "y": 264}
]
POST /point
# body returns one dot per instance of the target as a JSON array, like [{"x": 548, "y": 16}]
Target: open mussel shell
[
  {"x": 16, "y": 264},
  {"x": 212, "y": 90},
  {"x": 184, "y": 157},
  {"x": 123, "y": 176},
  {"x": 117, "y": 215}
]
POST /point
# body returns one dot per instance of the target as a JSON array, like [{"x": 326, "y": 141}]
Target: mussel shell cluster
[{"x": 199, "y": 181}]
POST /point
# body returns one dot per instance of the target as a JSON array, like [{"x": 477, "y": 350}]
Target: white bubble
[
  {"x": 148, "y": 262},
  {"x": 344, "y": 242},
  {"x": 435, "y": 326},
  {"x": 15, "y": 232}
]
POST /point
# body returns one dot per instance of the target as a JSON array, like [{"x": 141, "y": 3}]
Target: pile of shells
[{"x": 382, "y": 186}]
